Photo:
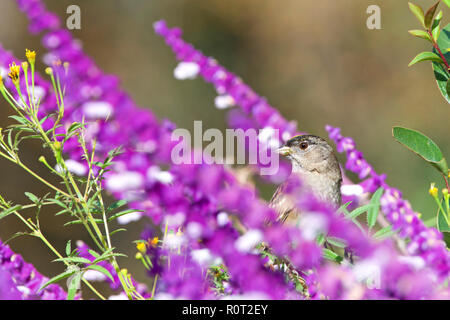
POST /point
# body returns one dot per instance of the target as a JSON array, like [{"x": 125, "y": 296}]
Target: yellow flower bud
[
  {"x": 445, "y": 192},
  {"x": 14, "y": 73},
  {"x": 31, "y": 56},
  {"x": 138, "y": 256},
  {"x": 154, "y": 242},
  {"x": 433, "y": 190},
  {"x": 49, "y": 71},
  {"x": 141, "y": 247},
  {"x": 25, "y": 66},
  {"x": 57, "y": 145}
]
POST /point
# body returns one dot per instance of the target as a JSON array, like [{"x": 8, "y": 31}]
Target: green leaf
[
  {"x": 320, "y": 239},
  {"x": 421, "y": 34},
  {"x": 74, "y": 260},
  {"x": 117, "y": 230},
  {"x": 340, "y": 243},
  {"x": 57, "y": 278},
  {"x": 116, "y": 205},
  {"x": 384, "y": 233},
  {"x": 418, "y": 12},
  {"x": 372, "y": 213},
  {"x": 68, "y": 248},
  {"x": 430, "y": 14},
  {"x": 358, "y": 211},
  {"x": 8, "y": 211},
  {"x": 442, "y": 223},
  {"x": 425, "y": 56},
  {"x": 74, "y": 285},
  {"x": 32, "y": 197},
  {"x": 343, "y": 208},
  {"x": 421, "y": 145},
  {"x": 435, "y": 29},
  {"x": 440, "y": 72},
  {"x": 330, "y": 255},
  {"x": 447, "y": 2},
  {"x": 122, "y": 213},
  {"x": 102, "y": 270}
]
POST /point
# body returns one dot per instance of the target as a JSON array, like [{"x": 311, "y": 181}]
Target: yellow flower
[
  {"x": 141, "y": 247},
  {"x": 14, "y": 73},
  {"x": 31, "y": 56},
  {"x": 433, "y": 190},
  {"x": 48, "y": 70},
  {"x": 1, "y": 82},
  {"x": 154, "y": 242}
]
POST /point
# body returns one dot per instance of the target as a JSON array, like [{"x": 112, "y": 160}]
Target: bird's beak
[{"x": 284, "y": 151}]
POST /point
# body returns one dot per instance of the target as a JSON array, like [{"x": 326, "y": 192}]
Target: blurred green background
[{"x": 316, "y": 61}]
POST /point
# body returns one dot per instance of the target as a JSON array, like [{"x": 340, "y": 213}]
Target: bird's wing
[{"x": 283, "y": 205}]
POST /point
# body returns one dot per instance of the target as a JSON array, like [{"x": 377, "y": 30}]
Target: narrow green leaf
[
  {"x": 122, "y": 213},
  {"x": 447, "y": 2},
  {"x": 340, "y": 243},
  {"x": 372, "y": 213},
  {"x": 343, "y": 208},
  {"x": 442, "y": 222},
  {"x": 74, "y": 260},
  {"x": 68, "y": 248},
  {"x": 418, "y": 12},
  {"x": 425, "y": 56},
  {"x": 358, "y": 211},
  {"x": 447, "y": 87},
  {"x": 57, "y": 278},
  {"x": 421, "y": 145},
  {"x": 320, "y": 239},
  {"x": 430, "y": 14},
  {"x": 330, "y": 255},
  {"x": 93, "y": 253},
  {"x": 117, "y": 230},
  {"x": 8, "y": 211},
  {"x": 116, "y": 205},
  {"x": 384, "y": 233},
  {"x": 32, "y": 197},
  {"x": 102, "y": 270},
  {"x": 421, "y": 34}
]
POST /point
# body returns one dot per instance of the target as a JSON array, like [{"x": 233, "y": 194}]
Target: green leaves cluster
[{"x": 430, "y": 22}]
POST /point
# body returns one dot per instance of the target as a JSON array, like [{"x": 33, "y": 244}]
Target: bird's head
[{"x": 306, "y": 151}]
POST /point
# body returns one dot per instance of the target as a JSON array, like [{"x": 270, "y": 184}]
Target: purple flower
[{"x": 25, "y": 278}]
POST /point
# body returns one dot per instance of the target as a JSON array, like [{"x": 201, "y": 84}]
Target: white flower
[
  {"x": 224, "y": 101},
  {"x": 222, "y": 219},
  {"x": 186, "y": 70},
  {"x": 202, "y": 256},
  {"x": 76, "y": 167},
  {"x": 352, "y": 190},
  {"x": 129, "y": 217},
  {"x": 312, "y": 224},
  {"x": 120, "y": 296},
  {"x": 155, "y": 173},
  {"x": 175, "y": 220},
  {"x": 3, "y": 72},
  {"x": 415, "y": 262},
  {"x": 94, "y": 275},
  {"x": 97, "y": 109},
  {"x": 174, "y": 241},
  {"x": 194, "y": 230},
  {"x": 249, "y": 240},
  {"x": 128, "y": 180}
]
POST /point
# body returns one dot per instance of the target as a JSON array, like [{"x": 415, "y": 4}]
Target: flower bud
[
  {"x": 445, "y": 192},
  {"x": 31, "y": 56},
  {"x": 433, "y": 190},
  {"x": 141, "y": 247}
]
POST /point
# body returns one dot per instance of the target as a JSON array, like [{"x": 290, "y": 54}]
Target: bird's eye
[{"x": 304, "y": 145}]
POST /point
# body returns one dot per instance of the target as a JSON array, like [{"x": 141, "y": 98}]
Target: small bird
[{"x": 314, "y": 162}]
